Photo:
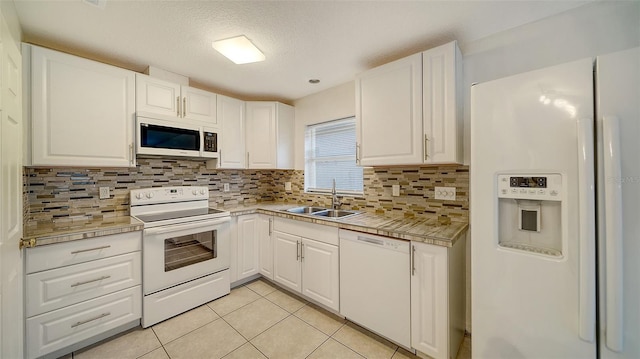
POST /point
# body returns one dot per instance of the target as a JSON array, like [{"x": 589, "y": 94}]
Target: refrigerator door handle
[
  {"x": 613, "y": 233},
  {"x": 587, "y": 236}
]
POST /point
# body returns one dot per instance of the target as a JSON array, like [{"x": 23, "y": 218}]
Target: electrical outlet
[
  {"x": 225, "y": 187},
  {"x": 104, "y": 193},
  {"x": 287, "y": 186},
  {"x": 446, "y": 193},
  {"x": 395, "y": 190}
]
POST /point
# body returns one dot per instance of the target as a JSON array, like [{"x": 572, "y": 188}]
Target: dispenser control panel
[{"x": 545, "y": 187}]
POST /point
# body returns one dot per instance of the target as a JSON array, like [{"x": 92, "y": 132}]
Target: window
[{"x": 330, "y": 153}]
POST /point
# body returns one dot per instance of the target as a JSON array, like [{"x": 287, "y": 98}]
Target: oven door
[{"x": 178, "y": 253}]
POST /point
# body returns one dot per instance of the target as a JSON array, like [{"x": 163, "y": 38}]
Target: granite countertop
[
  {"x": 56, "y": 232},
  {"x": 425, "y": 230}
]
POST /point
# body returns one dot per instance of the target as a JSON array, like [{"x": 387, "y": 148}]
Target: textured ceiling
[{"x": 328, "y": 40}]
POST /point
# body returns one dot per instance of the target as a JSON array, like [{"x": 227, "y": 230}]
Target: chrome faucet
[{"x": 335, "y": 201}]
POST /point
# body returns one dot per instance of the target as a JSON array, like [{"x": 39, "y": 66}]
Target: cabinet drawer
[
  {"x": 324, "y": 234},
  {"x": 64, "y": 254},
  {"x": 60, "y": 328},
  {"x": 57, "y": 288}
]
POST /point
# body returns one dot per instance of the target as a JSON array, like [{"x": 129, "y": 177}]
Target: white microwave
[{"x": 172, "y": 138}]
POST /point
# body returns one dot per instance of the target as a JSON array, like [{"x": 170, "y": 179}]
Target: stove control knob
[
  {"x": 195, "y": 192},
  {"x": 149, "y": 194},
  {"x": 202, "y": 192},
  {"x": 139, "y": 195}
]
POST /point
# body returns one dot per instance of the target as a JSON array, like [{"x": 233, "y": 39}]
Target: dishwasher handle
[{"x": 376, "y": 241}]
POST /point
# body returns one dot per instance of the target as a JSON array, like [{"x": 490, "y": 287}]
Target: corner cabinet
[
  {"x": 167, "y": 100},
  {"x": 410, "y": 111},
  {"x": 231, "y": 116},
  {"x": 269, "y": 135},
  {"x": 79, "y": 112},
  {"x": 438, "y": 299}
]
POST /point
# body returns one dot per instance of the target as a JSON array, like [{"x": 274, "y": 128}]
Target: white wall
[
  {"x": 8, "y": 10},
  {"x": 332, "y": 104},
  {"x": 586, "y": 31}
]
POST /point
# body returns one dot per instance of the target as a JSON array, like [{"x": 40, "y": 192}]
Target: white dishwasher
[{"x": 375, "y": 284}]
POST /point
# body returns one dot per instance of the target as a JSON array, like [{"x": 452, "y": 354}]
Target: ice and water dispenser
[{"x": 530, "y": 213}]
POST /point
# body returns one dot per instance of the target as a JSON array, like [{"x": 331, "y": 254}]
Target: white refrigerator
[{"x": 555, "y": 211}]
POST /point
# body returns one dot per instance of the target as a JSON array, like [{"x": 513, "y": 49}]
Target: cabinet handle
[
  {"x": 413, "y": 260},
  {"x": 91, "y": 281},
  {"x": 178, "y": 106},
  {"x": 426, "y": 147},
  {"x": 90, "y": 249},
  {"x": 301, "y": 252},
  {"x": 184, "y": 107},
  {"x": 247, "y": 159},
  {"x": 90, "y": 320},
  {"x": 131, "y": 153},
  {"x": 270, "y": 226},
  {"x": 297, "y": 251}
]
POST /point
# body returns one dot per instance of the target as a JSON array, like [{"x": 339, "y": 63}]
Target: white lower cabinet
[
  {"x": 89, "y": 288},
  {"x": 438, "y": 299},
  {"x": 309, "y": 266},
  {"x": 265, "y": 239},
  {"x": 248, "y": 250}
]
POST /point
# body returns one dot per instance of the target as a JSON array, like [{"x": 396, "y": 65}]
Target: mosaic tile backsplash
[{"x": 63, "y": 194}]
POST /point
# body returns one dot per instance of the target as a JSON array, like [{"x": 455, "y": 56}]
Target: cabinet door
[
  {"x": 248, "y": 250},
  {"x": 265, "y": 230},
  {"x": 286, "y": 260},
  {"x": 320, "y": 273},
  {"x": 429, "y": 298},
  {"x": 442, "y": 104},
  {"x": 261, "y": 135},
  {"x": 82, "y": 111},
  {"x": 389, "y": 113},
  {"x": 157, "y": 97},
  {"x": 199, "y": 105},
  {"x": 231, "y": 117},
  {"x": 285, "y": 123}
]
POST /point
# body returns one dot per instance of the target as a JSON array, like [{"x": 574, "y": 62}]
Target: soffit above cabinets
[{"x": 327, "y": 40}]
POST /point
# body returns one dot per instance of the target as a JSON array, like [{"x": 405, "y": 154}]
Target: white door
[
  {"x": 389, "y": 113},
  {"x": 11, "y": 276},
  {"x": 248, "y": 250},
  {"x": 429, "y": 307},
  {"x": 442, "y": 102},
  {"x": 81, "y": 111},
  {"x": 527, "y": 304},
  {"x": 618, "y": 81},
  {"x": 199, "y": 105},
  {"x": 265, "y": 231},
  {"x": 232, "y": 146},
  {"x": 158, "y": 97},
  {"x": 286, "y": 260},
  {"x": 261, "y": 135},
  {"x": 320, "y": 273}
]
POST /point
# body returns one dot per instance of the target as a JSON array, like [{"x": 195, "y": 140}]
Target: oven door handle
[{"x": 183, "y": 226}]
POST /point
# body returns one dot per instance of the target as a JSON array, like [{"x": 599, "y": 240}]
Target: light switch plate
[
  {"x": 446, "y": 193},
  {"x": 104, "y": 193},
  {"x": 395, "y": 190},
  {"x": 287, "y": 186},
  {"x": 225, "y": 187}
]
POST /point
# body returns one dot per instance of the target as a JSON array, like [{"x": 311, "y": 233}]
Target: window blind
[{"x": 330, "y": 153}]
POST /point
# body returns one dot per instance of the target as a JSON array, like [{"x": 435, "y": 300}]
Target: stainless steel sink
[
  {"x": 335, "y": 213},
  {"x": 305, "y": 210}
]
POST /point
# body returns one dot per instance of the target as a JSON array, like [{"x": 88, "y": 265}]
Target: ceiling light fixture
[{"x": 239, "y": 49}]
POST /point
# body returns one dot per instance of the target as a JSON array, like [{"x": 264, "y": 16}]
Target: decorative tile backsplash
[{"x": 62, "y": 194}]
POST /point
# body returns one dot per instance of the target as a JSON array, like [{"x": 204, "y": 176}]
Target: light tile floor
[{"x": 256, "y": 320}]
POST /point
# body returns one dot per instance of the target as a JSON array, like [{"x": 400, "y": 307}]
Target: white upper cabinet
[
  {"x": 409, "y": 111},
  {"x": 232, "y": 148},
  {"x": 442, "y": 104},
  {"x": 269, "y": 135},
  {"x": 389, "y": 113},
  {"x": 167, "y": 100},
  {"x": 81, "y": 111}
]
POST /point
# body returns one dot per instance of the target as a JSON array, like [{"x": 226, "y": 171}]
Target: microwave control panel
[
  {"x": 210, "y": 142},
  {"x": 538, "y": 186}
]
